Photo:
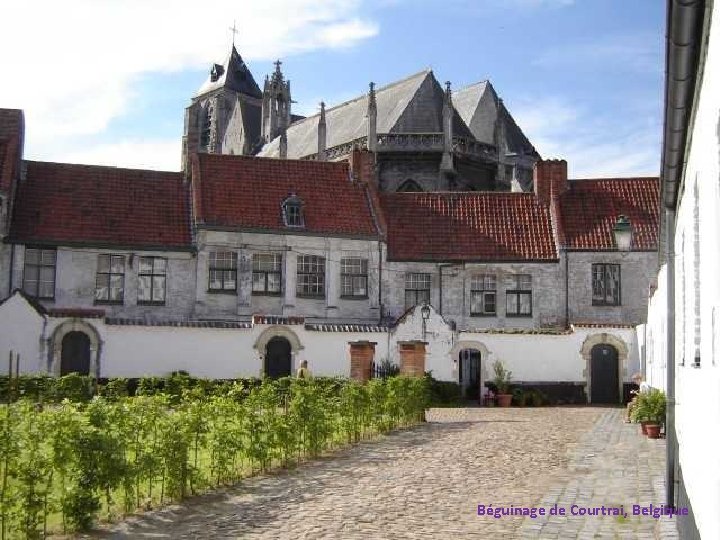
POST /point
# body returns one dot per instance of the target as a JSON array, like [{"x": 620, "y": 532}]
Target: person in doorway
[
  {"x": 642, "y": 387},
  {"x": 303, "y": 372}
]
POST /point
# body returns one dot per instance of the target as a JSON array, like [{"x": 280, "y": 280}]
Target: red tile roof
[
  {"x": 590, "y": 208},
  {"x": 247, "y": 193},
  {"x": 464, "y": 226},
  {"x": 59, "y": 203}
]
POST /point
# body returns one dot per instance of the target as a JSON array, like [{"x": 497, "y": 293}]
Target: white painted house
[{"x": 682, "y": 335}]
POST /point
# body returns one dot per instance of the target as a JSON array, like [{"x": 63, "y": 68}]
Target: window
[
  {"x": 153, "y": 276},
  {"x": 110, "y": 279},
  {"x": 354, "y": 278},
  {"x": 222, "y": 275},
  {"x": 417, "y": 289},
  {"x": 39, "y": 274},
  {"x": 410, "y": 186},
  {"x": 518, "y": 298},
  {"x": 267, "y": 273},
  {"x": 605, "y": 284},
  {"x": 311, "y": 276},
  {"x": 292, "y": 212},
  {"x": 483, "y": 295},
  {"x": 206, "y": 127}
]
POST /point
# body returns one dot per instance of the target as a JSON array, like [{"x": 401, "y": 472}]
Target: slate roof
[
  {"x": 468, "y": 226},
  {"x": 590, "y": 208},
  {"x": 64, "y": 204},
  {"x": 346, "y": 122},
  {"x": 239, "y": 192},
  {"x": 234, "y": 75}
]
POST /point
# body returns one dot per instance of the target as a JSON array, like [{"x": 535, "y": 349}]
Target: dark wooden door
[
  {"x": 75, "y": 356},
  {"x": 604, "y": 382},
  {"x": 278, "y": 358},
  {"x": 469, "y": 373}
]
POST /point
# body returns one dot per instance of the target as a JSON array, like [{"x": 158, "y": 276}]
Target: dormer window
[{"x": 292, "y": 210}]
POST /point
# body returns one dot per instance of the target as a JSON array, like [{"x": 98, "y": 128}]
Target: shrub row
[{"x": 62, "y": 466}]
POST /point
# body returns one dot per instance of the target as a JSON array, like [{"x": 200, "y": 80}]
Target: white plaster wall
[
  {"x": 698, "y": 388},
  {"x": 21, "y": 330},
  {"x": 136, "y": 351}
]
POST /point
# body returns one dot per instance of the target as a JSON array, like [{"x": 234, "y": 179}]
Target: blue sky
[{"x": 107, "y": 82}]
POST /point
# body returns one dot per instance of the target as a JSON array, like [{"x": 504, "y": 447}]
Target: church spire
[
  {"x": 447, "y": 125},
  {"x": 322, "y": 133},
  {"x": 371, "y": 119},
  {"x": 275, "y": 105}
]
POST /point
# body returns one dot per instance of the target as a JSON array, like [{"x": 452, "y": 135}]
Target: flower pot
[
  {"x": 653, "y": 431},
  {"x": 643, "y": 426},
  {"x": 504, "y": 400}
]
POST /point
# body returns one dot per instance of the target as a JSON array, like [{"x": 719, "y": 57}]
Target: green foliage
[
  {"x": 66, "y": 463},
  {"x": 502, "y": 377},
  {"x": 443, "y": 393},
  {"x": 650, "y": 406}
]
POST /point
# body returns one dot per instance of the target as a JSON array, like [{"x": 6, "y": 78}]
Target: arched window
[
  {"x": 292, "y": 211},
  {"x": 410, "y": 186}
]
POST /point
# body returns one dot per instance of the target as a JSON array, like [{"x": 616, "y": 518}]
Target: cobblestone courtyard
[{"x": 427, "y": 482}]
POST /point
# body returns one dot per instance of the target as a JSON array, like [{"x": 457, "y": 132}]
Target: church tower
[
  {"x": 275, "y": 105},
  {"x": 224, "y": 115}
]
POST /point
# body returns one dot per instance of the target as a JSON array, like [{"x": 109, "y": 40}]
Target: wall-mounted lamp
[{"x": 622, "y": 232}]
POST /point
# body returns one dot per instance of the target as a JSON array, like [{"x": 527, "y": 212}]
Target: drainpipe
[
  {"x": 380, "y": 305},
  {"x": 12, "y": 265},
  {"x": 567, "y": 291},
  {"x": 671, "y": 444}
]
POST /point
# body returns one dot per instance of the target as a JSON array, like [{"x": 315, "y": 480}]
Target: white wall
[
  {"x": 21, "y": 328},
  {"x": 698, "y": 388}
]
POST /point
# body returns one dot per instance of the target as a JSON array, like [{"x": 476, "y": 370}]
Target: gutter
[{"x": 684, "y": 31}]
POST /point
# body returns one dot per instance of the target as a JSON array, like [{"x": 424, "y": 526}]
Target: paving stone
[{"x": 426, "y": 482}]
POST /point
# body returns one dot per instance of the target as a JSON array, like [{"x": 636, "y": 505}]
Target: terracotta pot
[
  {"x": 504, "y": 400},
  {"x": 653, "y": 431},
  {"x": 643, "y": 426}
]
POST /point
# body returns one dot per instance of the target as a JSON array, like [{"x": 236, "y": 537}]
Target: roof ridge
[
  {"x": 613, "y": 178},
  {"x": 388, "y": 86},
  {"x": 94, "y": 166}
]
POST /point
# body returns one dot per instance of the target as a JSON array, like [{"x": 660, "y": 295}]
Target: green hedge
[{"x": 63, "y": 466}]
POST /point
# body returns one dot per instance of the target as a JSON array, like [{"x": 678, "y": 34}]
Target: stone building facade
[
  {"x": 426, "y": 137},
  {"x": 243, "y": 266}
]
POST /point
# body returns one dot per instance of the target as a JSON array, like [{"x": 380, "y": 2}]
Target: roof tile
[
  {"x": 62, "y": 203},
  {"x": 590, "y": 208},
  {"x": 468, "y": 226},
  {"x": 248, "y": 192}
]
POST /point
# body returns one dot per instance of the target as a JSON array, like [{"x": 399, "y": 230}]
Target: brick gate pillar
[
  {"x": 362, "y": 354},
  {"x": 412, "y": 358}
]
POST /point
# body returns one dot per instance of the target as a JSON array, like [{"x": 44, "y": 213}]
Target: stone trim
[
  {"x": 604, "y": 339},
  {"x": 277, "y": 331},
  {"x": 485, "y": 364},
  {"x": 55, "y": 345}
]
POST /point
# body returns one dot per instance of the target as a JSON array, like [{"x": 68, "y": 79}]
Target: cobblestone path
[{"x": 426, "y": 482}]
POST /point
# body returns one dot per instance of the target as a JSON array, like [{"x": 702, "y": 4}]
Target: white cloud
[
  {"x": 158, "y": 154},
  {"x": 71, "y": 65},
  {"x": 594, "y": 145},
  {"x": 637, "y": 53}
]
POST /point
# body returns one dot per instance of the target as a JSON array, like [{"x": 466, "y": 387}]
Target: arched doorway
[
  {"x": 278, "y": 357},
  {"x": 469, "y": 372},
  {"x": 604, "y": 375},
  {"x": 75, "y": 354}
]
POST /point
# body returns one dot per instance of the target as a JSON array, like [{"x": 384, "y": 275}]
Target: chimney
[
  {"x": 550, "y": 179},
  {"x": 362, "y": 166},
  {"x": 322, "y": 133},
  {"x": 371, "y": 120}
]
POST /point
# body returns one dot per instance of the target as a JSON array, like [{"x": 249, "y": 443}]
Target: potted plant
[
  {"x": 502, "y": 383},
  {"x": 639, "y": 411},
  {"x": 655, "y": 404}
]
